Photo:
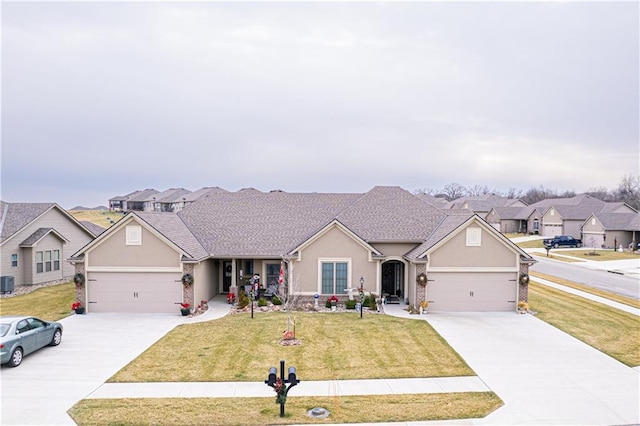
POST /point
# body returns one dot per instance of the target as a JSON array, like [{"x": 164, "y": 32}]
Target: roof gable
[{"x": 335, "y": 224}]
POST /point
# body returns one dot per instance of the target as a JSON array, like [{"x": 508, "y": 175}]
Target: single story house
[
  {"x": 35, "y": 239},
  {"x": 326, "y": 243},
  {"x": 611, "y": 230}
]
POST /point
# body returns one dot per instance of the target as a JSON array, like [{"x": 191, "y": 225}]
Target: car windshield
[{"x": 4, "y": 328}]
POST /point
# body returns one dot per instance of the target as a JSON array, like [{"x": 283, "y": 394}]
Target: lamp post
[
  {"x": 361, "y": 289},
  {"x": 279, "y": 384}
]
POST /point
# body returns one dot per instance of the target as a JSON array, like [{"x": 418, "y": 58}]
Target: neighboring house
[
  {"x": 611, "y": 230},
  {"x": 164, "y": 201},
  {"x": 506, "y": 219},
  {"x": 194, "y": 196},
  {"x": 134, "y": 201},
  {"x": 482, "y": 204},
  {"x": 35, "y": 241},
  {"x": 326, "y": 243}
]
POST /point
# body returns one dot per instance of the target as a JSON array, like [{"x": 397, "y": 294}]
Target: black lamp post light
[
  {"x": 279, "y": 384},
  {"x": 361, "y": 290}
]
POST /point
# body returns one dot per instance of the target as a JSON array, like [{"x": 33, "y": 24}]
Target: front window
[
  {"x": 56, "y": 260},
  {"x": 47, "y": 261},
  {"x": 334, "y": 277},
  {"x": 39, "y": 262}
]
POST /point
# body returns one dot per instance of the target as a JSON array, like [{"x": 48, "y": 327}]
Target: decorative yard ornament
[{"x": 421, "y": 279}]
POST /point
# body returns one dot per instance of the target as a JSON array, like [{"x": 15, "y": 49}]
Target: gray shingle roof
[
  {"x": 202, "y": 192},
  {"x": 16, "y": 216},
  {"x": 619, "y": 221},
  {"x": 143, "y": 195},
  {"x": 38, "y": 234},
  {"x": 506, "y": 213},
  {"x": 171, "y": 195},
  {"x": 174, "y": 229}
]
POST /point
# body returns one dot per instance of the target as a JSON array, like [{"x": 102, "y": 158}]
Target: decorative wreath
[
  {"x": 421, "y": 279},
  {"x": 524, "y": 278},
  {"x": 78, "y": 279},
  {"x": 228, "y": 269},
  {"x": 187, "y": 280}
]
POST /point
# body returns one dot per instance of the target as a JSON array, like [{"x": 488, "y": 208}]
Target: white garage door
[
  {"x": 134, "y": 292},
  {"x": 467, "y": 291},
  {"x": 552, "y": 230}
]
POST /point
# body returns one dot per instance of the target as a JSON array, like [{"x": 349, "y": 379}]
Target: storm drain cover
[{"x": 318, "y": 413}]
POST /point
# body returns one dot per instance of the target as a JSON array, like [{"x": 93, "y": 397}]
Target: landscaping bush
[
  {"x": 262, "y": 302},
  {"x": 243, "y": 300},
  {"x": 276, "y": 300},
  {"x": 350, "y": 304}
]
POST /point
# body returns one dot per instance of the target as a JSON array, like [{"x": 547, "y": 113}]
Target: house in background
[
  {"x": 482, "y": 204},
  {"x": 388, "y": 239},
  {"x": 611, "y": 230},
  {"x": 165, "y": 200},
  {"x": 35, "y": 241},
  {"x": 195, "y": 196},
  {"x": 506, "y": 219}
]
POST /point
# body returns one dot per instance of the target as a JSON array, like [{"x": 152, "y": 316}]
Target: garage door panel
[
  {"x": 472, "y": 291},
  {"x": 134, "y": 292}
]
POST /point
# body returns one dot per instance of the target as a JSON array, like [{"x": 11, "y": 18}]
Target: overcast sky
[{"x": 100, "y": 98}]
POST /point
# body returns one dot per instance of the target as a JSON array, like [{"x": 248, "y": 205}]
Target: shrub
[
  {"x": 262, "y": 302},
  {"x": 350, "y": 304},
  {"x": 243, "y": 300},
  {"x": 372, "y": 301},
  {"x": 276, "y": 300}
]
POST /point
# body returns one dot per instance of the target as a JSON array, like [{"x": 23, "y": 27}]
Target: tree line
[{"x": 627, "y": 191}]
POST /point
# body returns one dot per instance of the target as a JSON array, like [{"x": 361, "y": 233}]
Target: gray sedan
[{"x": 22, "y": 335}]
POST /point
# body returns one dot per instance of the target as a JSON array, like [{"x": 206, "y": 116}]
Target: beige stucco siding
[
  {"x": 113, "y": 251},
  {"x": 456, "y": 254},
  {"x": 552, "y": 217},
  {"x": 394, "y": 249},
  {"x": 573, "y": 228},
  {"x": 335, "y": 244},
  {"x": 205, "y": 278}
]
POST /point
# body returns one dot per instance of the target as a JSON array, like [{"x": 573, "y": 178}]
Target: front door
[
  {"x": 226, "y": 276},
  {"x": 393, "y": 278}
]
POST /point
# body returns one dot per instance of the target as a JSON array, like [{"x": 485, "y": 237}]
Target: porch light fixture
[{"x": 421, "y": 279}]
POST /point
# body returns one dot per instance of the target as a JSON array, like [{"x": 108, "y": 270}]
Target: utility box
[{"x": 7, "y": 283}]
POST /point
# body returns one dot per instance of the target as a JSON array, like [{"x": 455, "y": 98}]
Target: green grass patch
[
  {"x": 610, "y": 330},
  {"x": 334, "y": 346},
  {"x": 530, "y": 244},
  {"x": 264, "y": 411},
  {"x": 49, "y": 303}
]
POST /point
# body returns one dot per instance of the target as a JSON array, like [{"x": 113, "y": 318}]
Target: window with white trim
[
  {"x": 335, "y": 277},
  {"x": 134, "y": 235},
  {"x": 47, "y": 261},
  {"x": 474, "y": 237},
  {"x": 14, "y": 260}
]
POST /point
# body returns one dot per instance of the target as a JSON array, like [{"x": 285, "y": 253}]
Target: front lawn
[
  {"x": 600, "y": 255},
  {"x": 264, "y": 411},
  {"x": 48, "y": 303},
  {"x": 334, "y": 346},
  {"x": 610, "y": 330}
]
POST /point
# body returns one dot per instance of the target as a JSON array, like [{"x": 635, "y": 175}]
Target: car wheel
[
  {"x": 16, "y": 357},
  {"x": 57, "y": 338},
  {"x": 578, "y": 245},
  {"x": 555, "y": 245}
]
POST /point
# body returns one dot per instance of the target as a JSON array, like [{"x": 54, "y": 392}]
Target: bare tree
[
  {"x": 629, "y": 191},
  {"x": 477, "y": 190},
  {"x": 453, "y": 191},
  {"x": 427, "y": 191},
  {"x": 600, "y": 193},
  {"x": 513, "y": 193}
]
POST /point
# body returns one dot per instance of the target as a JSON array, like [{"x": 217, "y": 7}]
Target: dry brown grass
[
  {"x": 610, "y": 330},
  {"x": 49, "y": 303},
  {"x": 598, "y": 292},
  {"x": 334, "y": 346},
  {"x": 600, "y": 255},
  {"x": 264, "y": 411},
  {"x": 99, "y": 217}
]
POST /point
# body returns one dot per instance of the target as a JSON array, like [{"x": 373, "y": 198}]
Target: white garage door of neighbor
[
  {"x": 467, "y": 291},
  {"x": 552, "y": 230},
  {"x": 134, "y": 292}
]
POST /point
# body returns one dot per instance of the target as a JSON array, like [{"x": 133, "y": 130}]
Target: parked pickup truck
[{"x": 561, "y": 241}]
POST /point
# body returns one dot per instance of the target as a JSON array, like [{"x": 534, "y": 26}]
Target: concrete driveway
[
  {"x": 93, "y": 348},
  {"x": 543, "y": 375}
]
